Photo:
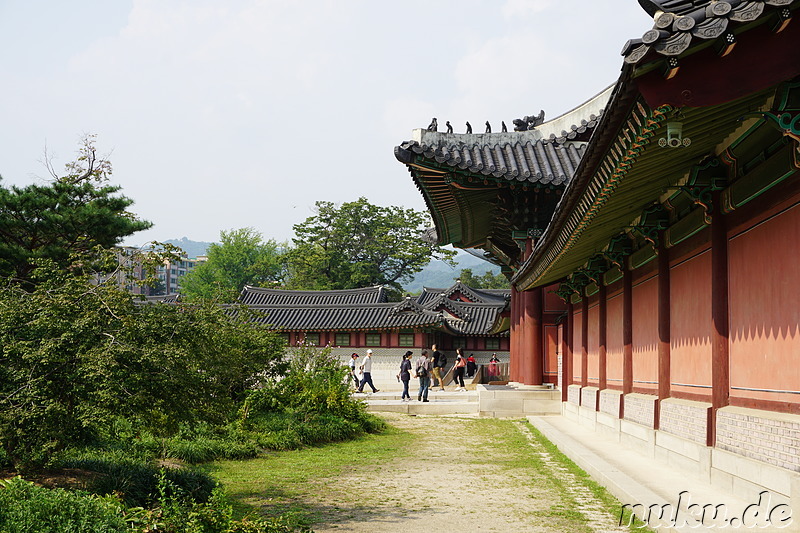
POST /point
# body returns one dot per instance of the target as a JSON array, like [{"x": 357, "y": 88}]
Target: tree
[
  {"x": 71, "y": 214},
  {"x": 77, "y": 354},
  {"x": 359, "y": 244},
  {"x": 242, "y": 258},
  {"x": 488, "y": 280}
]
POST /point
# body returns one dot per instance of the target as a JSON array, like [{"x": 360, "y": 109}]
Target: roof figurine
[
  {"x": 528, "y": 122},
  {"x": 488, "y": 127},
  {"x": 434, "y": 125},
  {"x": 449, "y": 127},
  {"x": 504, "y": 127},
  {"x": 469, "y": 128}
]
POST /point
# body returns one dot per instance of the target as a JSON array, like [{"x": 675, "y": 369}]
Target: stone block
[
  {"x": 569, "y": 411},
  {"x": 763, "y": 475},
  {"x": 495, "y": 404},
  {"x": 535, "y": 406},
  {"x": 587, "y": 417},
  {"x": 637, "y": 436}
]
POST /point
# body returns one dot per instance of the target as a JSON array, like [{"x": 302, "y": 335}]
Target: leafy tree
[
  {"x": 359, "y": 244},
  {"x": 76, "y": 354},
  {"x": 242, "y": 258},
  {"x": 71, "y": 214},
  {"x": 488, "y": 280}
]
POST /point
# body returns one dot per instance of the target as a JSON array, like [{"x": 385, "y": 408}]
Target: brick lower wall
[
  {"x": 769, "y": 437},
  {"x": 641, "y": 408},
  {"x": 589, "y": 397},
  {"x": 610, "y": 401},
  {"x": 574, "y": 394},
  {"x": 685, "y": 418}
]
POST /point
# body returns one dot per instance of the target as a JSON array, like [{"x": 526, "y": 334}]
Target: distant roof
[
  {"x": 164, "y": 298},
  {"x": 261, "y": 296},
  {"x": 367, "y": 309},
  {"x": 345, "y": 317}
]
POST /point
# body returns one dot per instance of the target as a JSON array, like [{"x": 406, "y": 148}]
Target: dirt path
[{"x": 469, "y": 475}]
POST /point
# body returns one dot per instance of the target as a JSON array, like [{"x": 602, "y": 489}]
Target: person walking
[
  {"x": 352, "y": 365},
  {"x": 472, "y": 366},
  {"x": 405, "y": 375},
  {"x": 493, "y": 363},
  {"x": 458, "y": 373},
  {"x": 422, "y": 370},
  {"x": 438, "y": 363},
  {"x": 366, "y": 367}
]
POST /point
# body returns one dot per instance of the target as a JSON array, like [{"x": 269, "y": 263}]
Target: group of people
[
  {"x": 428, "y": 368},
  {"x": 365, "y": 369}
]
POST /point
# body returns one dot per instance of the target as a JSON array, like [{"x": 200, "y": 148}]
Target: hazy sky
[{"x": 227, "y": 114}]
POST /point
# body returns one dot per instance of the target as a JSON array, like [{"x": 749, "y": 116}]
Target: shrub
[
  {"x": 136, "y": 480},
  {"x": 26, "y": 508}
]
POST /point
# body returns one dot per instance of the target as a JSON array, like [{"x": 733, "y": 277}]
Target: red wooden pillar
[
  {"x": 513, "y": 362},
  {"x": 566, "y": 353},
  {"x": 602, "y": 336},
  {"x": 584, "y": 341},
  {"x": 534, "y": 347},
  {"x": 663, "y": 327},
  {"x": 627, "y": 335},
  {"x": 720, "y": 358}
]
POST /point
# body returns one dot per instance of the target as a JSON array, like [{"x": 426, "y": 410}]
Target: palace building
[
  {"x": 355, "y": 320},
  {"x": 652, "y": 237}
]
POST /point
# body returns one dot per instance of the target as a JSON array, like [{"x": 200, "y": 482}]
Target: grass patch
[
  {"x": 609, "y": 503},
  {"x": 288, "y": 483}
]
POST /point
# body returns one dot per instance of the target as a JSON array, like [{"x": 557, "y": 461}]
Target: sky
[{"x": 219, "y": 115}]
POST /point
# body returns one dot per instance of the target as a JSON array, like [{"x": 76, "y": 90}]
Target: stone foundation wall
[
  {"x": 610, "y": 401},
  {"x": 589, "y": 397},
  {"x": 574, "y": 394},
  {"x": 773, "y": 438},
  {"x": 641, "y": 409},
  {"x": 685, "y": 418}
]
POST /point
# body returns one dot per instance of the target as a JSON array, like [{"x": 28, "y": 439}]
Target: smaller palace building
[{"x": 355, "y": 320}]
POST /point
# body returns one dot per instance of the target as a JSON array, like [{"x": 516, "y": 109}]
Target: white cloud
[{"x": 524, "y": 8}]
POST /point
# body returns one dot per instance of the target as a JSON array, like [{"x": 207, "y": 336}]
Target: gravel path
[{"x": 470, "y": 475}]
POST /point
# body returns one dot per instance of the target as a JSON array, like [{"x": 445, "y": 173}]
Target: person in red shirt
[{"x": 472, "y": 366}]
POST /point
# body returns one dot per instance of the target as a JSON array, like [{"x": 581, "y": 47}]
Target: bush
[
  {"x": 26, "y": 508},
  {"x": 136, "y": 481}
]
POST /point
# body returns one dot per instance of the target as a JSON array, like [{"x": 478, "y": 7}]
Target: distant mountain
[
  {"x": 439, "y": 274},
  {"x": 192, "y": 248}
]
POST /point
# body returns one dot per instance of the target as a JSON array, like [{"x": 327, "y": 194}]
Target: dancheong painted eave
[{"x": 625, "y": 169}]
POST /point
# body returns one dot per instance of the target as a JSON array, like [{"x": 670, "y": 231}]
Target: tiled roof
[
  {"x": 679, "y": 23},
  {"x": 331, "y": 311},
  {"x": 164, "y": 298},
  {"x": 476, "y": 295},
  {"x": 260, "y": 296},
  {"x": 502, "y": 155},
  {"x": 345, "y": 317},
  {"x": 479, "y": 317}
]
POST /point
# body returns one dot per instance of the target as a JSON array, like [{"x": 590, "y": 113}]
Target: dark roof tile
[
  {"x": 678, "y": 23},
  {"x": 261, "y": 296}
]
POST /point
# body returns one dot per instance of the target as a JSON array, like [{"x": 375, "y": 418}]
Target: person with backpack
[{"x": 423, "y": 370}]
